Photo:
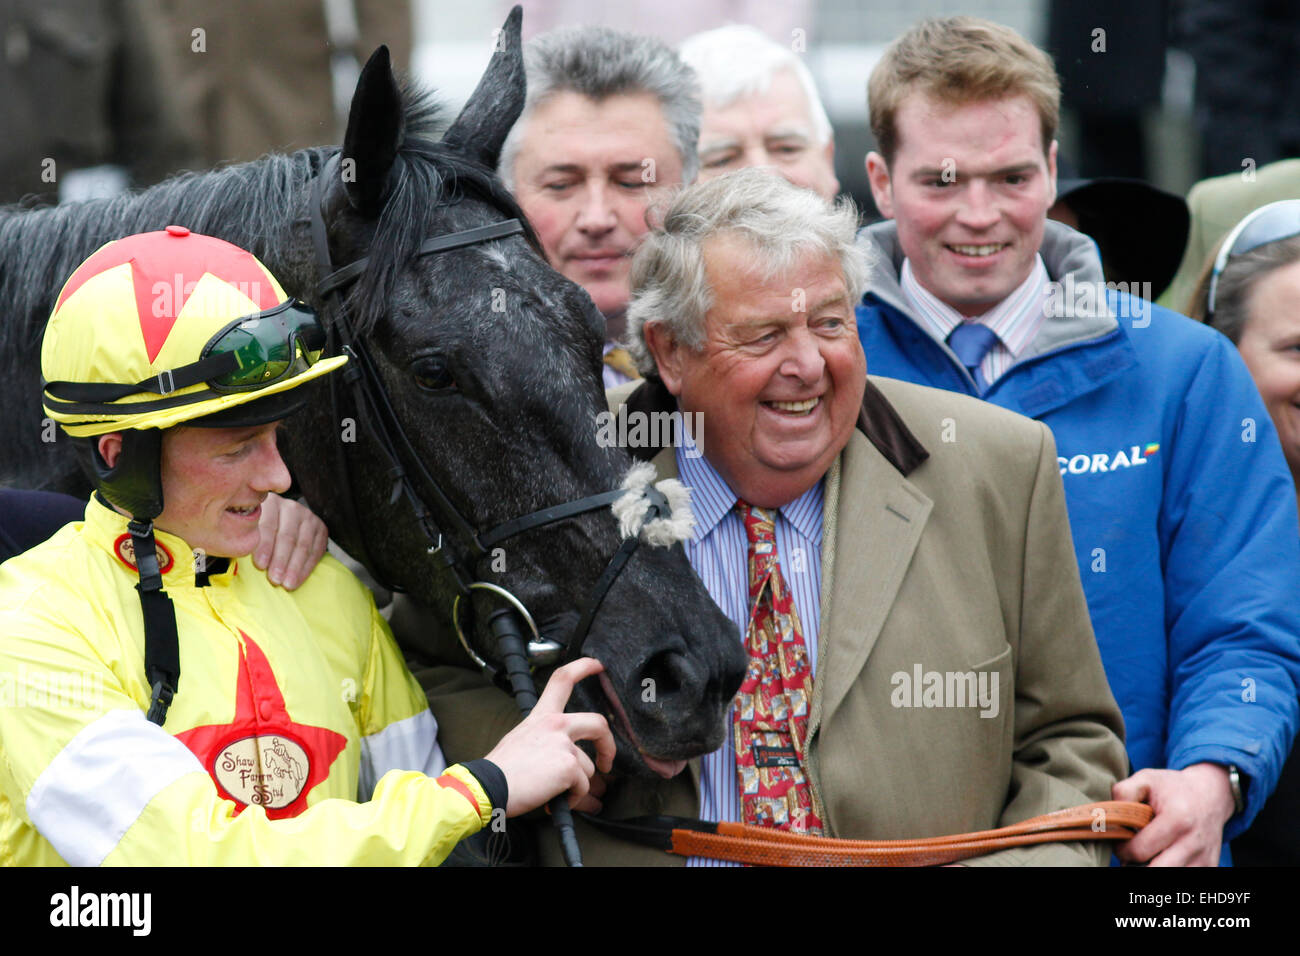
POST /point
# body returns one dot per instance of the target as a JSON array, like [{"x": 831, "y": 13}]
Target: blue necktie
[{"x": 972, "y": 341}]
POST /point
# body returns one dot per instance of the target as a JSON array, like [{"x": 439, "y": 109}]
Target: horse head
[{"x": 489, "y": 363}]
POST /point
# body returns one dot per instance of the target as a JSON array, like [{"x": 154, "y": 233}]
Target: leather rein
[{"x": 762, "y": 846}]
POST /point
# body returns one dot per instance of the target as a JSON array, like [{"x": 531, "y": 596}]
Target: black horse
[{"x": 490, "y": 361}]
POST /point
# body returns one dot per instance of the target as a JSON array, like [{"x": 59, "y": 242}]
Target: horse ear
[
  {"x": 497, "y": 101},
  {"x": 375, "y": 130}
]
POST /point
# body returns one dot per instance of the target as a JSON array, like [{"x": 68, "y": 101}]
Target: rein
[{"x": 762, "y": 846}]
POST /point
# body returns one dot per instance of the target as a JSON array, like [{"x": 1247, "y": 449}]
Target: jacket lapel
[{"x": 869, "y": 537}]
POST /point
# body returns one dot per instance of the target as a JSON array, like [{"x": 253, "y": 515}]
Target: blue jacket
[{"x": 1181, "y": 505}]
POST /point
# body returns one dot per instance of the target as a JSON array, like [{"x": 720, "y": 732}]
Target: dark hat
[{"x": 1140, "y": 230}]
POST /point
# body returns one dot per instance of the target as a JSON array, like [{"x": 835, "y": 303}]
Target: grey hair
[
  {"x": 740, "y": 60},
  {"x": 599, "y": 63},
  {"x": 782, "y": 223}
]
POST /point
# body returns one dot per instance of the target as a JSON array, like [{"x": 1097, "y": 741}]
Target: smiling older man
[{"x": 893, "y": 567}]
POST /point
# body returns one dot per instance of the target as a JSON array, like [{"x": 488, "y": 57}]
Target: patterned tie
[
  {"x": 972, "y": 341},
  {"x": 771, "y": 708}
]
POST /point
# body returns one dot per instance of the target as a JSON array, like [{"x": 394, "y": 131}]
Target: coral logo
[{"x": 1096, "y": 462}]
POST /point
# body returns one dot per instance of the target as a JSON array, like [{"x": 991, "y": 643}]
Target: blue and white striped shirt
[
  {"x": 1015, "y": 320},
  {"x": 719, "y": 552}
]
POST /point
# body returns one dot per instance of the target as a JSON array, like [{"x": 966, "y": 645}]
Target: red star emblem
[{"x": 262, "y": 756}]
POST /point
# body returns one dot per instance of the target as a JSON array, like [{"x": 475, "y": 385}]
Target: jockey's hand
[
  {"x": 293, "y": 541},
  {"x": 541, "y": 757},
  {"x": 1191, "y": 807}
]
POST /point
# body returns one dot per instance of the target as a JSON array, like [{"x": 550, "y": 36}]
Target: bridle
[
  {"x": 437, "y": 511},
  {"x": 434, "y": 513}
]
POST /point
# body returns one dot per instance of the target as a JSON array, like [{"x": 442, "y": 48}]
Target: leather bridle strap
[
  {"x": 761, "y": 846},
  {"x": 546, "y": 516},
  {"x": 378, "y": 417},
  {"x": 458, "y": 240},
  {"x": 659, "y": 507}
]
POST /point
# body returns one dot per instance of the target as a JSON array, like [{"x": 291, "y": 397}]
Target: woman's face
[{"x": 1270, "y": 344}]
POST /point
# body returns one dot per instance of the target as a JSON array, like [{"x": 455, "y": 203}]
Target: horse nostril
[
  {"x": 668, "y": 671},
  {"x": 732, "y": 680},
  {"x": 724, "y": 689},
  {"x": 730, "y": 673}
]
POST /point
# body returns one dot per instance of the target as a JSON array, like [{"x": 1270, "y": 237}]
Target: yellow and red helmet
[{"x": 162, "y": 328}]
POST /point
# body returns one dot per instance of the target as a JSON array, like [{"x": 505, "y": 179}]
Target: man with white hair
[
  {"x": 761, "y": 108},
  {"x": 610, "y": 120}
]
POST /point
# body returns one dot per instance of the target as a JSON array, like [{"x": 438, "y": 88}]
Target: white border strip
[
  {"x": 99, "y": 784},
  {"x": 410, "y": 744}
]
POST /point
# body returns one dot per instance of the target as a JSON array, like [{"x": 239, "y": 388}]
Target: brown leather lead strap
[{"x": 760, "y": 846}]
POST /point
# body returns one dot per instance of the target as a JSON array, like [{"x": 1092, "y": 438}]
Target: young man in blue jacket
[{"x": 1181, "y": 505}]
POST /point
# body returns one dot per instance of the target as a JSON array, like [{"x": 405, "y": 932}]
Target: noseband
[{"x": 436, "y": 511}]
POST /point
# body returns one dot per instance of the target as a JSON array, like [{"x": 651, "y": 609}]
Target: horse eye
[{"x": 432, "y": 374}]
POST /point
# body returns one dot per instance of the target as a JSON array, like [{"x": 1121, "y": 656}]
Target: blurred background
[
  {"x": 101, "y": 94},
  {"x": 1130, "y": 91}
]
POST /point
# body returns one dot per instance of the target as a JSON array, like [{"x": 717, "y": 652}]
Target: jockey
[{"x": 161, "y": 702}]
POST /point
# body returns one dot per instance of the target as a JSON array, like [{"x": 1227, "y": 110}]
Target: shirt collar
[
  {"x": 712, "y": 498},
  {"x": 1014, "y": 320},
  {"x": 107, "y": 529}
]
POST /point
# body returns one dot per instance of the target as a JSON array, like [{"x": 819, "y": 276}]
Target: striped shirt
[
  {"x": 719, "y": 552},
  {"x": 1015, "y": 320}
]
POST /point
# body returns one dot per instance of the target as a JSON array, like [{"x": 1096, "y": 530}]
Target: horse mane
[
  {"x": 255, "y": 205},
  {"x": 249, "y": 204}
]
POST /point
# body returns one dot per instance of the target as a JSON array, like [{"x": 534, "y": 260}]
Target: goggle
[
  {"x": 264, "y": 349},
  {"x": 1271, "y": 223},
  {"x": 252, "y": 352}
]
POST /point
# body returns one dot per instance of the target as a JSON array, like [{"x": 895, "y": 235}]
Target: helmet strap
[
  {"x": 162, "y": 653},
  {"x": 134, "y": 483}
]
